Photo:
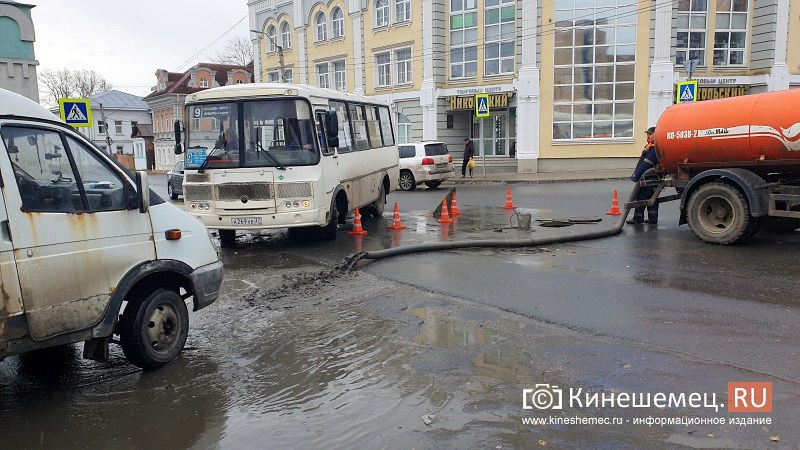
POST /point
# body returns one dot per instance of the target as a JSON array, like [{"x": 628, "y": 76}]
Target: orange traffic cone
[
  {"x": 509, "y": 203},
  {"x": 445, "y": 218},
  {"x": 396, "y": 225},
  {"x": 454, "y": 206},
  {"x": 357, "y": 230},
  {"x": 614, "y": 211}
]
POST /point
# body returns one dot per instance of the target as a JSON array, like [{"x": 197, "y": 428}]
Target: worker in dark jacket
[{"x": 648, "y": 160}]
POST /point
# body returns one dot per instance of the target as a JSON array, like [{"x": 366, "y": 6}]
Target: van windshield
[{"x": 276, "y": 133}]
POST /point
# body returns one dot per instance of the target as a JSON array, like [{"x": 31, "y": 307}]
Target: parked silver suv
[{"x": 424, "y": 162}]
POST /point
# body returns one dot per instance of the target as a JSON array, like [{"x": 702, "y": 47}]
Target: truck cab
[{"x": 87, "y": 251}]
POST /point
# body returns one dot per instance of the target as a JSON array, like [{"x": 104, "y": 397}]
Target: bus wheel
[
  {"x": 227, "y": 238},
  {"x": 376, "y": 209},
  {"x": 328, "y": 232},
  {"x": 153, "y": 331}
]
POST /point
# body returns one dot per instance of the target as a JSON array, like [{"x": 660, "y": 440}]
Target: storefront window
[
  {"x": 594, "y": 70},
  {"x": 692, "y": 28},
  {"x": 499, "y": 24},
  {"x": 730, "y": 36},
  {"x": 463, "y": 39}
]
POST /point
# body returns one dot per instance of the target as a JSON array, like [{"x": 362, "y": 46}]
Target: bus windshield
[{"x": 276, "y": 133}]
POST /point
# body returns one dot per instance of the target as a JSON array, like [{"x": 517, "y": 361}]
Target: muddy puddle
[{"x": 354, "y": 361}]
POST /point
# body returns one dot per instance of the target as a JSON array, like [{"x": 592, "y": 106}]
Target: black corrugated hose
[{"x": 501, "y": 243}]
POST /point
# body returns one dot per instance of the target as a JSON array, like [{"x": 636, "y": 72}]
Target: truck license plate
[{"x": 246, "y": 221}]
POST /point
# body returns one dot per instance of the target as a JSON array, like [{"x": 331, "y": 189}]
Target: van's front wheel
[{"x": 153, "y": 331}]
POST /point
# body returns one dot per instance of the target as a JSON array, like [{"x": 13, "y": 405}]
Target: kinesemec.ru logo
[
  {"x": 544, "y": 396},
  {"x": 743, "y": 397}
]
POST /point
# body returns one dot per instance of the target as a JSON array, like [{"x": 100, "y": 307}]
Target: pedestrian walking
[
  {"x": 469, "y": 152},
  {"x": 648, "y": 160}
]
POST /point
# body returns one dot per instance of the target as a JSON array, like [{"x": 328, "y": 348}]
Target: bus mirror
[{"x": 178, "y": 146}]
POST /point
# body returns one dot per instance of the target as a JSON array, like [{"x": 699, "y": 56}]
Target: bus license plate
[{"x": 246, "y": 221}]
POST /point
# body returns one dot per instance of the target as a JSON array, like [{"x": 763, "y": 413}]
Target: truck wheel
[
  {"x": 719, "y": 214},
  {"x": 153, "y": 331},
  {"x": 227, "y": 238}
]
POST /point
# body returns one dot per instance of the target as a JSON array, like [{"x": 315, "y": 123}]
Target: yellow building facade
[{"x": 571, "y": 84}]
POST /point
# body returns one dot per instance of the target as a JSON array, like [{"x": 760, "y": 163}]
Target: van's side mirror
[
  {"x": 178, "y": 146},
  {"x": 142, "y": 191},
  {"x": 332, "y": 125},
  {"x": 31, "y": 140},
  {"x": 12, "y": 149}
]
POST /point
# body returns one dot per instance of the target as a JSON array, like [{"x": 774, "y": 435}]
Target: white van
[{"x": 87, "y": 251}]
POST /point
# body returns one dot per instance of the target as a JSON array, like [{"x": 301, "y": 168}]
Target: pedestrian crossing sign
[
  {"x": 686, "y": 92},
  {"x": 481, "y": 105},
  {"x": 75, "y": 111}
]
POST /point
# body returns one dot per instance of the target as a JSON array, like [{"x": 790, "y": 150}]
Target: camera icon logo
[{"x": 544, "y": 396}]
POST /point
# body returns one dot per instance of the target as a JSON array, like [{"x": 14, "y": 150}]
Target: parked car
[
  {"x": 426, "y": 162},
  {"x": 175, "y": 181}
]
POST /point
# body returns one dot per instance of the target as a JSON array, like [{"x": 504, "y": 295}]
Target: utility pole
[
  {"x": 108, "y": 138},
  {"x": 280, "y": 53}
]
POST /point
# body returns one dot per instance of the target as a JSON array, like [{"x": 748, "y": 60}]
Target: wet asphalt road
[{"x": 360, "y": 359}]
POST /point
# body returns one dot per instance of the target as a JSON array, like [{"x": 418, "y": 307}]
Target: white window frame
[
  {"x": 382, "y": 11},
  {"x": 402, "y": 11},
  {"x": 404, "y": 72},
  {"x": 594, "y": 96},
  {"x": 203, "y": 82},
  {"x": 118, "y": 126},
  {"x": 286, "y": 35},
  {"x": 272, "y": 36},
  {"x": 383, "y": 70},
  {"x": 274, "y": 76},
  {"x": 724, "y": 44},
  {"x": 339, "y": 76},
  {"x": 337, "y": 22},
  {"x": 404, "y": 129},
  {"x": 467, "y": 41},
  {"x": 320, "y": 27},
  {"x": 503, "y": 43},
  {"x": 323, "y": 77},
  {"x": 692, "y": 25},
  {"x": 288, "y": 74}
]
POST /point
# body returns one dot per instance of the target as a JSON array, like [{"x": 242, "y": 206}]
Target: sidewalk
[{"x": 539, "y": 178}]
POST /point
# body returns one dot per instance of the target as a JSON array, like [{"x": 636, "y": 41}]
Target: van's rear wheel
[
  {"x": 153, "y": 331},
  {"x": 719, "y": 214},
  {"x": 227, "y": 238}
]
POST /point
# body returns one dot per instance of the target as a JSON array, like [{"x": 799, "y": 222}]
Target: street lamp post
[{"x": 280, "y": 53}]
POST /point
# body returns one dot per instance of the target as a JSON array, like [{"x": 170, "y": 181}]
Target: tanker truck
[{"x": 734, "y": 163}]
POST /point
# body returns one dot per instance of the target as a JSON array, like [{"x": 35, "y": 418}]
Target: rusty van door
[
  {"x": 75, "y": 233},
  {"x": 12, "y": 319}
]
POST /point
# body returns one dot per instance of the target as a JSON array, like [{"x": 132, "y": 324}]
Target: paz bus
[{"x": 261, "y": 156}]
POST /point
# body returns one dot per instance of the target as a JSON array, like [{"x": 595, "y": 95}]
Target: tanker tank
[{"x": 760, "y": 132}]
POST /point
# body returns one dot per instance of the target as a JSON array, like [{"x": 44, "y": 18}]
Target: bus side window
[{"x": 322, "y": 132}]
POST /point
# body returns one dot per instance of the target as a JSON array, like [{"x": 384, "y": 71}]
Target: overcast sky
[{"x": 126, "y": 41}]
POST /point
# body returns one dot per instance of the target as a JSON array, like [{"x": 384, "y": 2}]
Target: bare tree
[
  {"x": 67, "y": 83},
  {"x": 89, "y": 82},
  {"x": 238, "y": 51}
]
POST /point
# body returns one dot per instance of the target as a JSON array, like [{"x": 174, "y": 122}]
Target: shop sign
[
  {"x": 457, "y": 103},
  {"x": 709, "y": 93},
  {"x": 715, "y": 92}
]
